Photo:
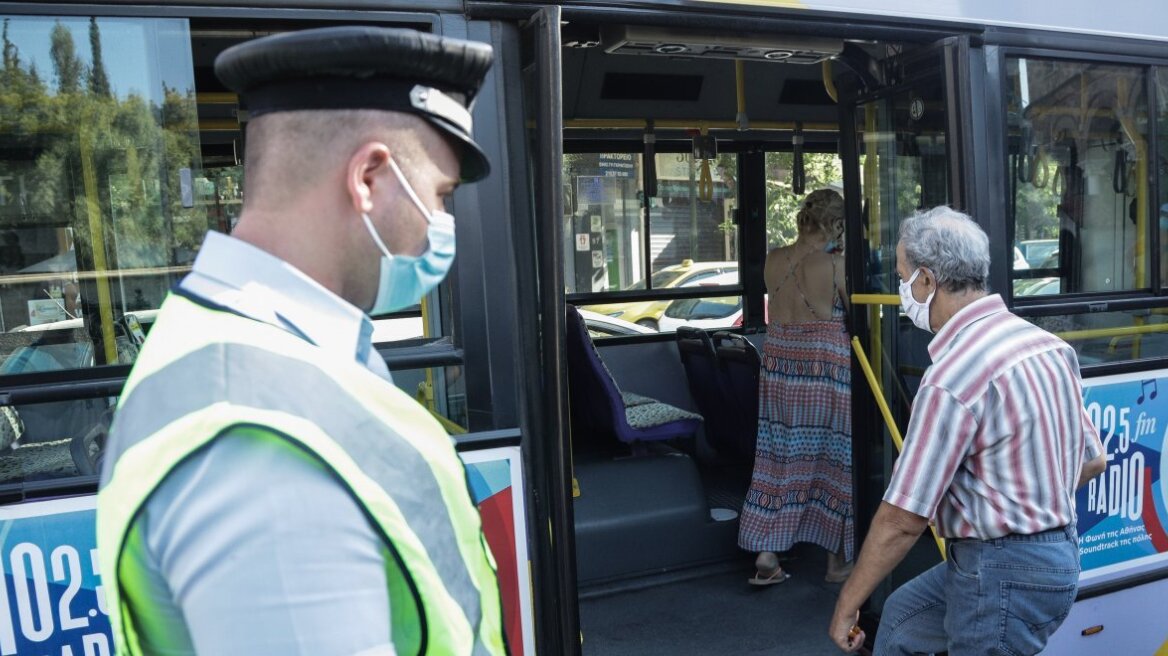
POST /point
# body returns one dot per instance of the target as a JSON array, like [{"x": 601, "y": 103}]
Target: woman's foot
[
  {"x": 768, "y": 571},
  {"x": 838, "y": 570}
]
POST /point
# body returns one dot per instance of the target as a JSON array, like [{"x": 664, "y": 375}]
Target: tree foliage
[
  {"x": 820, "y": 170},
  {"x": 87, "y": 157}
]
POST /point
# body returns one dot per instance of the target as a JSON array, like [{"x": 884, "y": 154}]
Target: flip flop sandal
[{"x": 774, "y": 578}]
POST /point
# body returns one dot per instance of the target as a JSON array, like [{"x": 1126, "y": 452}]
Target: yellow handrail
[
  {"x": 875, "y": 299},
  {"x": 887, "y": 413},
  {"x": 1123, "y": 331}
]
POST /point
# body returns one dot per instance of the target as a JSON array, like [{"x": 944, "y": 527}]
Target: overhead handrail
[
  {"x": 897, "y": 440},
  {"x": 829, "y": 82},
  {"x": 689, "y": 124}
]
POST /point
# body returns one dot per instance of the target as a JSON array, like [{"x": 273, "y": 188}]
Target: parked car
[
  {"x": 1038, "y": 251},
  {"x": 602, "y": 326},
  {"x": 1020, "y": 262},
  {"x": 706, "y": 313},
  {"x": 648, "y": 313},
  {"x": 1037, "y": 286}
]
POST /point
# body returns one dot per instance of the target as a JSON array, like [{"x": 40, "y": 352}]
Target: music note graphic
[{"x": 1143, "y": 386}]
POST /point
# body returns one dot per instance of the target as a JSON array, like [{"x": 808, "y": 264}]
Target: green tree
[
  {"x": 820, "y": 170},
  {"x": 98, "y": 80},
  {"x": 92, "y": 161},
  {"x": 65, "y": 62}
]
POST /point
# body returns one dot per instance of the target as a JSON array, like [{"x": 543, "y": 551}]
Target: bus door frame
[
  {"x": 543, "y": 368},
  {"x": 962, "y": 76}
]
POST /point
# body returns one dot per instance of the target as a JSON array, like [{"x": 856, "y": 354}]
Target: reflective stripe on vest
[{"x": 391, "y": 455}]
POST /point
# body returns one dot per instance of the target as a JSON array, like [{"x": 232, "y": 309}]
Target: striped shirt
[{"x": 998, "y": 433}]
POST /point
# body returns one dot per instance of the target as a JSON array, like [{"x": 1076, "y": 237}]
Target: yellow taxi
[{"x": 648, "y": 313}]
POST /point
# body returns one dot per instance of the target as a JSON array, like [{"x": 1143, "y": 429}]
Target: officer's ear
[{"x": 365, "y": 174}]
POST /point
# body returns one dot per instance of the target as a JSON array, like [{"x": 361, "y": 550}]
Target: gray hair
[{"x": 949, "y": 244}]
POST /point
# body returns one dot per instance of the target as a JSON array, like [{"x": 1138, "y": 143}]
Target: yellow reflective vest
[{"x": 206, "y": 371}]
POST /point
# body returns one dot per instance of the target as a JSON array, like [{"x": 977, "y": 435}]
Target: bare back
[{"x": 802, "y": 284}]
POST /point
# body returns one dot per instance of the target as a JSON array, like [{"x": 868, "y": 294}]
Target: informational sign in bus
[
  {"x": 1123, "y": 512},
  {"x": 51, "y": 603}
]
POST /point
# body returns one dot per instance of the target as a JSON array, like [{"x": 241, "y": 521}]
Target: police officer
[{"x": 266, "y": 489}]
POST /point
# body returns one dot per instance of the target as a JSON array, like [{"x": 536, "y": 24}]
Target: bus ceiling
[{"x": 618, "y": 77}]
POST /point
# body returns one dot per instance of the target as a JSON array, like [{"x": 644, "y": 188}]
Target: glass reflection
[
  {"x": 102, "y": 199},
  {"x": 1078, "y": 172}
]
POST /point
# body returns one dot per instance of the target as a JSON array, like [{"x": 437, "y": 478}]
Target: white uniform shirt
[{"x": 250, "y": 546}]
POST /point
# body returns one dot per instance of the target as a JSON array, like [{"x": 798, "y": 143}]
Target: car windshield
[
  {"x": 703, "y": 308},
  {"x": 662, "y": 278}
]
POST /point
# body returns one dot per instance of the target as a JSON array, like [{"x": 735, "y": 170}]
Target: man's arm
[
  {"x": 1091, "y": 469},
  {"x": 894, "y": 531}
]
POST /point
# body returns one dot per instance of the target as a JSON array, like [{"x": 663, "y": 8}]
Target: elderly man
[
  {"x": 267, "y": 489},
  {"x": 997, "y": 444}
]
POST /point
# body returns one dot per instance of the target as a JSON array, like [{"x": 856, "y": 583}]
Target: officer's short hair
[{"x": 365, "y": 68}]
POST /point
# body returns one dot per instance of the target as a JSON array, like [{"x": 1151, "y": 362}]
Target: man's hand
[
  {"x": 893, "y": 532},
  {"x": 1091, "y": 469},
  {"x": 845, "y": 630}
]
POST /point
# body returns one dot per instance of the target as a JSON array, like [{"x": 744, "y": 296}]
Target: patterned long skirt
[{"x": 801, "y": 490}]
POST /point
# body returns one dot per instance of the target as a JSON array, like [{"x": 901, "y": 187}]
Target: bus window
[
  {"x": 441, "y": 390},
  {"x": 1080, "y": 202},
  {"x": 693, "y": 239},
  {"x": 1102, "y": 337},
  {"x": 602, "y": 204},
  {"x": 691, "y": 218},
  {"x": 1162, "y": 130},
  {"x": 52, "y": 440},
  {"x": 103, "y": 199},
  {"x": 822, "y": 170}
]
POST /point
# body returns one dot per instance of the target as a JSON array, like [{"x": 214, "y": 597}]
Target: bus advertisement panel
[
  {"x": 51, "y": 601},
  {"x": 1123, "y": 511}
]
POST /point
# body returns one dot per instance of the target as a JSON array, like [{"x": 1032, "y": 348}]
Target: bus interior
[{"x": 650, "y": 114}]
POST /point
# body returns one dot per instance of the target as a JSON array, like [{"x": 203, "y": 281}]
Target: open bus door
[
  {"x": 540, "y": 282},
  {"x": 902, "y": 144}
]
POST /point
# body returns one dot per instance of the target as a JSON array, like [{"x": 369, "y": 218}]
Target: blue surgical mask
[{"x": 405, "y": 279}]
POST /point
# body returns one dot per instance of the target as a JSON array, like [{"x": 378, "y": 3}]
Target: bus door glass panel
[
  {"x": 904, "y": 167},
  {"x": 1080, "y": 201},
  {"x": 903, "y": 163}
]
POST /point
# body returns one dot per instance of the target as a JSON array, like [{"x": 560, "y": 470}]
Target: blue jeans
[{"x": 1002, "y": 596}]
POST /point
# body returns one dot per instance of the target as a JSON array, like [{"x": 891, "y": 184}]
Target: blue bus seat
[
  {"x": 598, "y": 408},
  {"x": 740, "y": 366},
  {"x": 709, "y": 391}
]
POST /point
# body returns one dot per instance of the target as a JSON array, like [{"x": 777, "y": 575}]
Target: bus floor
[{"x": 715, "y": 611}]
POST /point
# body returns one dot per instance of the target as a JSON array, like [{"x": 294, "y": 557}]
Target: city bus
[{"x": 646, "y": 155}]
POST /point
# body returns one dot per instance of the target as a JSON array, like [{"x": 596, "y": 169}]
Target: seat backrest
[
  {"x": 740, "y": 364},
  {"x": 702, "y": 372},
  {"x": 594, "y": 399}
]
